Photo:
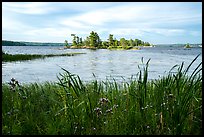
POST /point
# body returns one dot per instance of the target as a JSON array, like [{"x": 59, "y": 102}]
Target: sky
[{"x": 154, "y": 22}]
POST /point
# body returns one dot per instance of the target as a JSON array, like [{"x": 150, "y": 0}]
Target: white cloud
[
  {"x": 28, "y": 7},
  {"x": 122, "y": 19}
]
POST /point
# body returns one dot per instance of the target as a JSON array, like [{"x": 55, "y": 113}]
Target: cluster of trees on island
[{"x": 93, "y": 41}]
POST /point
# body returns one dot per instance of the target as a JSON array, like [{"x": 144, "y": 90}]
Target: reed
[
  {"x": 22, "y": 57},
  {"x": 171, "y": 105}
]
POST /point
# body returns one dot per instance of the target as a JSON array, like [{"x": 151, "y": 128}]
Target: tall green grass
[
  {"x": 171, "y": 105},
  {"x": 22, "y": 57}
]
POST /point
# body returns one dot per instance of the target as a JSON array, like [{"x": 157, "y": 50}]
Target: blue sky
[{"x": 154, "y": 22}]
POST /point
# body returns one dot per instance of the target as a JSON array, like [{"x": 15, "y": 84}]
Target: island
[
  {"x": 93, "y": 41},
  {"x": 187, "y": 45}
]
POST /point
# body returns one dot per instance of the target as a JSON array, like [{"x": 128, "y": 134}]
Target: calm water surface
[{"x": 103, "y": 63}]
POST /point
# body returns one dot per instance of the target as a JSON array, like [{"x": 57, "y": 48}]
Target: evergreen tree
[
  {"x": 105, "y": 44},
  {"x": 123, "y": 42},
  {"x": 110, "y": 40},
  {"x": 131, "y": 43},
  {"x": 136, "y": 42},
  {"x": 116, "y": 43},
  {"x": 74, "y": 43},
  {"x": 87, "y": 41},
  {"x": 77, "y": 40},
  {"x": 66, "y": 43},
  {"x": 80, "y": 42},
  {"x": 146, "y": 44},
  {"x": 92, "y": 38}
]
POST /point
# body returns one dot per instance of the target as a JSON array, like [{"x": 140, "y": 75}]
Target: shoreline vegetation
[
  {"x": 21, "y": 57},
  {"x": 93, "y": 41},
  {"x": 187, "y": 46},
  {"x": 171, "y": 105},
  {"x": 24, "y": 43}
]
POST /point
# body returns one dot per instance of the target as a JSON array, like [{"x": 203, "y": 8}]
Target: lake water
[{"x": 103, "y": 63}]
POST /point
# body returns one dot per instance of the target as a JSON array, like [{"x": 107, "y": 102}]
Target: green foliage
[
  {"x": 171, "y": 105},
  {"x": 146, "y": 44},
  {"x": 123, "y": 42},
  {"x": 110, "y": 40},
  {"x": 12, "y": 43},
  {"x": 187, "y": 45},
  {"x": 74, "y": 42},
  {"x": 15, "y": 43},
  {"x": 93, "y": 41},
  {"x": 21, "y": 57},
  {"x": 66, "y": 43},
  {"x": 131, "y": 43}
]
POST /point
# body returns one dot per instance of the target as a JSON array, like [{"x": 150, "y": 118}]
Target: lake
[{"x": 103, "y": 63}]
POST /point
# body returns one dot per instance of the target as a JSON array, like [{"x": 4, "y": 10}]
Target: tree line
[{"x": 94, "y": 41}]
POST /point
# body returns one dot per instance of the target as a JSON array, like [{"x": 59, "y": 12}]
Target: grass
[
  {"x": 171, "y": 105},
  {"x": 21, "y": 57}
]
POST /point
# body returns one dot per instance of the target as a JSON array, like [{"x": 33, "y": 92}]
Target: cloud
[
  {"x": 28, "y": 7},
  {"x": 131, "y": 19}
]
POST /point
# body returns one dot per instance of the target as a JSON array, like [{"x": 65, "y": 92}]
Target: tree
[
  {"x": 110, "y": 40},
  {"x": 92, "y": 39},
  {"x": 123, "y": 42},
  {"x": 66, "y": 43},
  {"x": 80, "y": 42},
  {"x": 140, "y": 42},
  {"x": 146, "y": 44},
  {"x": 74, "y": 43},
  {"x": 105, "y": 44},
  {"x": 98, "y": 41},
  {"x": 87, "y": 41},
  {"x": 131, "y": 43},
  {"x": 116, "y": 43},
  {"x": 136, "y": 42},
  {"x": 77, "y": 40}
]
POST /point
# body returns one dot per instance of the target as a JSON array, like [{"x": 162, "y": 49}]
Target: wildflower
[
  {"x": 16, "y": 83},
  {"x": 115, "y": 106},
  {"x": 103, "y": 101},
  {"x": 109, "y": 110},
  {"x": 148, "y": 127},
  {"x": 13, "y": 89},
  {"x": 170, "y": 96},
  {"x": 16, "y": 110},
  {"x": 9, "y": 113},
  {"x": 142, "y": 108},
  {"x": 11, "y": 83},
  {"x": 24, "y": 97},
  {"x": 98, "y": 111},
  {"x": 13, "y": 79},
  {"x": 94, "y": 129}
]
